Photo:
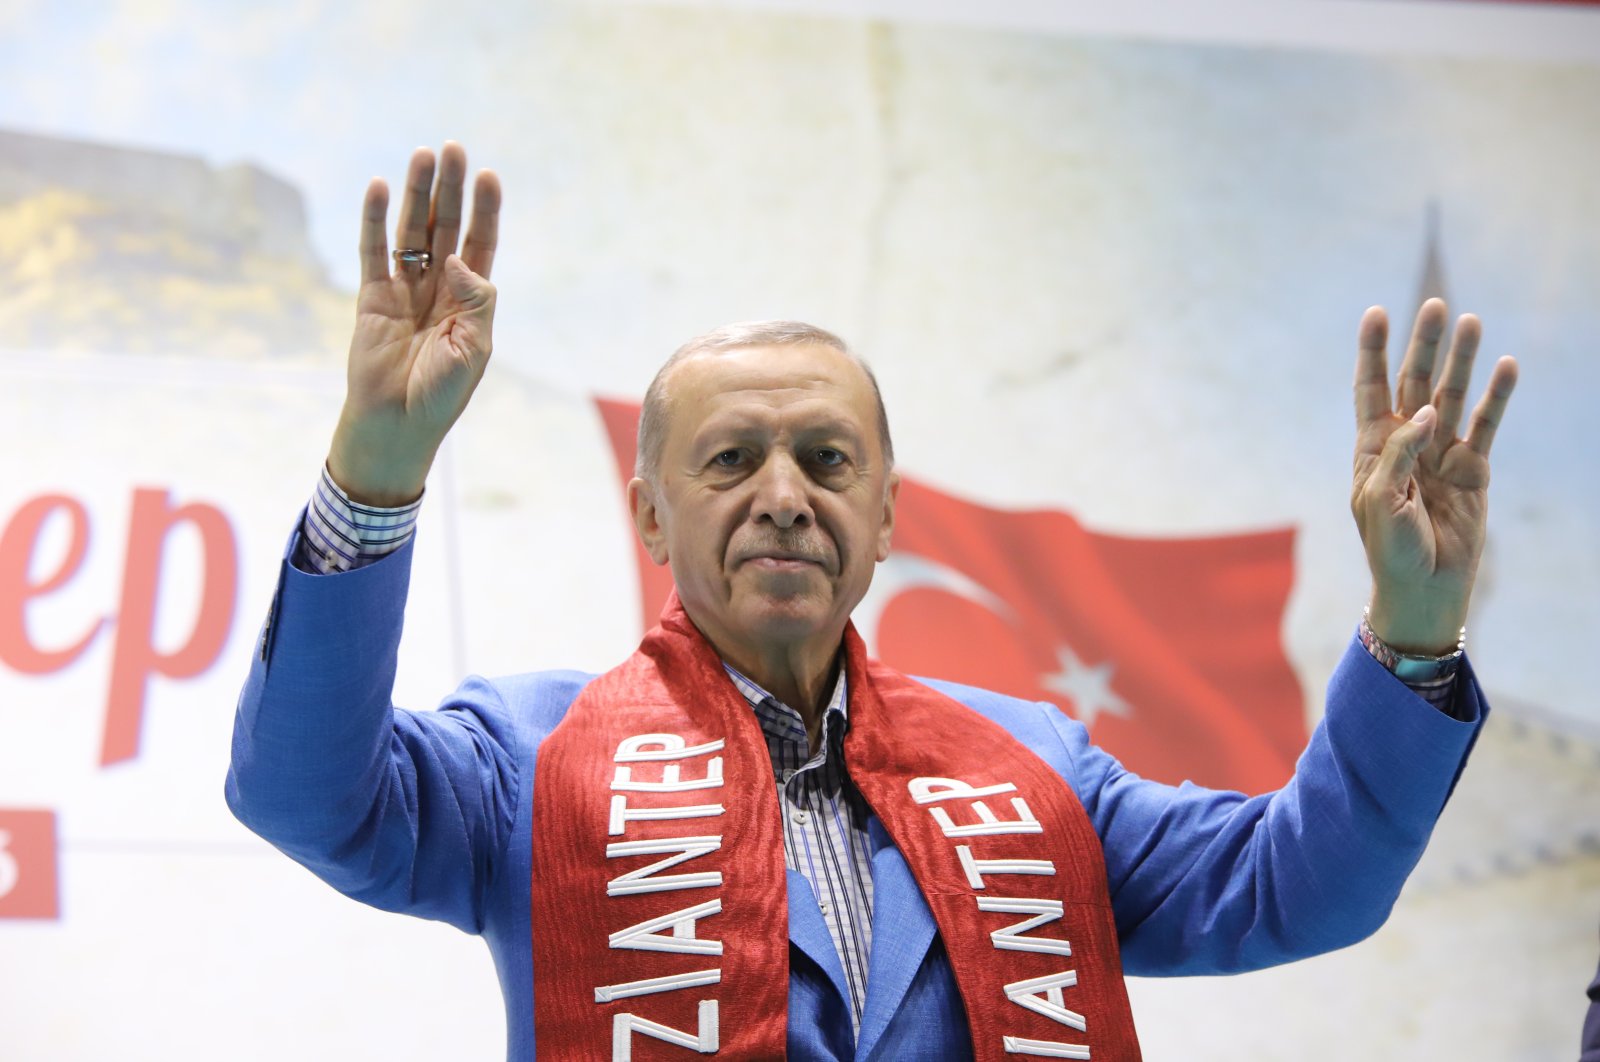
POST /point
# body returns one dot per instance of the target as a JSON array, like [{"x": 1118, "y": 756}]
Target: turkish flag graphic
[{"x": 1168, "y": 650}]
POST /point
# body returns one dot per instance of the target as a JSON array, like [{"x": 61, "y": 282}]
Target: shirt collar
[{"x": 838, "y": 701}]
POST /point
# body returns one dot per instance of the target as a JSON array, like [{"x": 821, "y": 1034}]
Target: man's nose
[{"x": 782, "y": 492}]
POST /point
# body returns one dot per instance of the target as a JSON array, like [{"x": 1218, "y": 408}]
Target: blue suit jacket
[
  {"x": 1591, "y": 1024},
  {"x": 430, "y": 813}
]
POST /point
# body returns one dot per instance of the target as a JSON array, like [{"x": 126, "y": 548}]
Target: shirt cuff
[
  {"x": 1439, "y": 692},
  {"x": 338, "y": 535}
]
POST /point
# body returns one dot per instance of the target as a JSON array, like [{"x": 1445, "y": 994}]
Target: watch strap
[{"x": 1411, "y": 668}]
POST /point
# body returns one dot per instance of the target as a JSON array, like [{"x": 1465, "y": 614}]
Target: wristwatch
[{"x": 1412, "y": 669}]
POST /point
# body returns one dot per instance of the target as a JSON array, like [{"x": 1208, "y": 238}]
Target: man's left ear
[
  {"x": 886, "y": 530},
  {"x": 647, "y": 519}
]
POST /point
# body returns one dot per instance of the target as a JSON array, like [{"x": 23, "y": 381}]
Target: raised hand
[
  {"x": 1421, "y": 493},
  {"x": 423, "y": 330}
]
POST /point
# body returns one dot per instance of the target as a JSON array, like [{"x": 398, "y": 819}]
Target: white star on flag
[{"x": 1088, "y": 688}]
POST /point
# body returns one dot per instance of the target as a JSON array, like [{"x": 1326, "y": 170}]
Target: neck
[{"x": 800, "y": 676}]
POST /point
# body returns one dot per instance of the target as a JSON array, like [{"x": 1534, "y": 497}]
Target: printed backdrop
[{"x": 1109, "y": 283}]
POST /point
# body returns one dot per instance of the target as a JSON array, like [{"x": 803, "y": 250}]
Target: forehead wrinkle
[
  {"x": 754, "y": 375},
  {"x": 720, "y": 383},
  {"x": 766, "y": 387},
  {"x": 806, "y": 418}
]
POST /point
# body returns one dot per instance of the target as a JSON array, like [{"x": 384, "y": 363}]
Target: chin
[{"x": 788, "y": 618}]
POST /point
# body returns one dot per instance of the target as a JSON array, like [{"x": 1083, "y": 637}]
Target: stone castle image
[{"x": 117, "y": 250}]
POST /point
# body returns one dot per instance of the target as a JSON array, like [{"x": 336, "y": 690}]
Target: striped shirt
[
  {"x": 824, "y": 816},
  {"x": 337, "y": 534},
  {"x": 824, "y": 823}
]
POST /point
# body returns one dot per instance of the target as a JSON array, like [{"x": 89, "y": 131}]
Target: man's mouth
[{"x": 783, "y": 561}]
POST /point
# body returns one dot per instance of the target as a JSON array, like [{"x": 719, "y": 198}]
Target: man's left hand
[{"x": 1421, "y": 493}]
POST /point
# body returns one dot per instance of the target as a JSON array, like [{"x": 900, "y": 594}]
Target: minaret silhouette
[{"x": 1433, "y": 284}]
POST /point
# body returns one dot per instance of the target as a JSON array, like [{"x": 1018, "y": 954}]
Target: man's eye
[
  {"x": 828, "y": 457},
  {"x": 727, "y": 459}
]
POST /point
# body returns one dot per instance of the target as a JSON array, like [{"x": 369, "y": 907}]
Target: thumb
[
  {"x": 465, "y": 286},
  {"x": 1404, "y": 446}
]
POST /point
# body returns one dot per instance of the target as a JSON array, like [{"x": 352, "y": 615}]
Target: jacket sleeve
[
  {"x": 1591, "y": 1024},
  {"x": 407, "y": 811},
  {"x": 1205, "y": 881}
]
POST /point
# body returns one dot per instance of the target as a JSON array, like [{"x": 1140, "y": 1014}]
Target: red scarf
[{"x": 659, "y": 898}]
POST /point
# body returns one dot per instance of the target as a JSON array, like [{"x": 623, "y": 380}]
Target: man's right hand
[{"x": 422, "y": 336}]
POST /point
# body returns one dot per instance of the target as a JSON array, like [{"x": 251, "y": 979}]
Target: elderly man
[{"x": 749, "y": 839}]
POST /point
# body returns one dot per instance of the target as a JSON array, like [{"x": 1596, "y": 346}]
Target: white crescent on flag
[
  {"x": 1087, "y": 687},
  {"x": 909, "y": 571}
]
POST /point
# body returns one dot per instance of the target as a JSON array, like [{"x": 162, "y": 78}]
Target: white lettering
[
  {"x": 1016, "y": 1045},
  {"x": 647, "y": 936},
  {"x": 929, "y": 790},
  {"x": 675, "y": 931},
  {"x": 671, "y": 779},
  {"x": 621, "y": 814},
  {"x": 1011, "y": 939},
  {"x": 705, "y": 1040},
  {"x": 1023, "y": 823},
  {"x": 652, "y": 985},
  {"x": 1042, "y": 995},
  {"x": 642, "y": 880},
  {"x": 638, "y": 748},
  {"x": 977, "y": 868}
]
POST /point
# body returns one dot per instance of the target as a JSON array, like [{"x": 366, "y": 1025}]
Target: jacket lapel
[
  {"x": 809, "y": 933},
  {"x": 902, "y": 930}
]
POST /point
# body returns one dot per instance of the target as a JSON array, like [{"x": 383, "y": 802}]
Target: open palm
[
  {"x": 1420, "y": 492},
  {"x": 423, "y": 332}
]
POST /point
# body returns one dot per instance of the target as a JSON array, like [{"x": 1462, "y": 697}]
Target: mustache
[{"x": 797, "y": 543}]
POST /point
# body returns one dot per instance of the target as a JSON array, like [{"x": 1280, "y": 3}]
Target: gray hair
[{"x": 654, "y": 414}]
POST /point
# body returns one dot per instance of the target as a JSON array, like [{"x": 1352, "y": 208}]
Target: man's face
[{"x": 772, "y": 502}]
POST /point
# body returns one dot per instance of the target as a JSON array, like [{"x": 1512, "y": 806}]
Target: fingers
[
  {"x": 444, "y": 219},
  {"x": 411, "y": 230},
  {"x": 374, "y": 243},
  {"x": 1450, "y": 396},
  {"x": 1372, "y": 367},
  {"x": 1416, "y": 370},
  {"x": 470, "y": 336},
  {"x": 469, "y": 289},
  {"x": 484, "y": 230},
  {"x": 1491, "y": 407},
  {"x": 1431, "y": 418},
  {"x": 430, "y": 218},
  {"x": 1404, "y": 446}
]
